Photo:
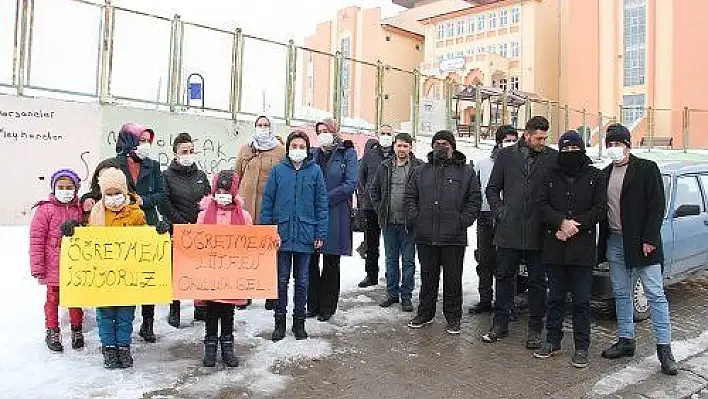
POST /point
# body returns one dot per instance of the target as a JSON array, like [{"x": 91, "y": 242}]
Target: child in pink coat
[
  {"x": 60, "y": 208},
  {"x": 223, "y": 206}
]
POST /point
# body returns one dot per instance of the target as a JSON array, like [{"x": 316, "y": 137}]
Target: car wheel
[{"x": 640, "y": 303}]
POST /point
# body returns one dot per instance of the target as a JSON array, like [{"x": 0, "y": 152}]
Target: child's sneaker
[
  {"x": 77, "y": 338},
  {"x": 53, "y": 340},
  {"x": 110, "y": 357},
  {"x": 124, "y": 357}
]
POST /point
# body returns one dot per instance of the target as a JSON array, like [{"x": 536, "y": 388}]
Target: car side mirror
[{"x": 687, "y": 210}]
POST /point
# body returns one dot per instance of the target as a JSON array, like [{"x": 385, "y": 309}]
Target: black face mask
[
  {"x": 570, "y": 162},
  {"x": 440, "y": 152}
]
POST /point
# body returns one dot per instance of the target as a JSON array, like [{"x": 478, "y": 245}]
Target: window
[
  {"x": 634, "y": 110},
  {"x": 515, "y": 49},
  {"x": 346, "y": 48},
  {"x": 388, "y": 38},
  {"x": 635, "y": 39},
  {"x": 688, "y": 192},
  {"x": 480, "y": 22},
  {"x": 666, "y": 179},
  {"x": 504, "y": 50},
  {"x": 440, "y": 58},
  {"x": 502, "y": 84},
  {"x": 704, "y": 183},
  {"x": 492, "y": 20},
  {"x": 417, "y": 47},
  {"x": 492, "y": 49},
  {"x": 515, "y": 15},
  {"x": 469, "y": 51},
  {"x": 470, "y": 25},
  {"x": 460, "y": 28},
  {"x": 503, "y": 18},
  {"x": 441, "y": 31},
  {"x": 480, "y": 49},
  {"x": 514, "y": 83},
  {"x": 450, "y": 29},
  {"x": 459, "y": 54}
]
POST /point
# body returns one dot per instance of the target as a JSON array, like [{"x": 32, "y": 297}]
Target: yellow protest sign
[{"x": 114, "y": 266}]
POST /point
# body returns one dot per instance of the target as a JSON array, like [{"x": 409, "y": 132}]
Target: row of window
[
  {"x": 506, "y": 50},
  {"x": 635, "y": 39},
  {"x": 479, "y": 23}
]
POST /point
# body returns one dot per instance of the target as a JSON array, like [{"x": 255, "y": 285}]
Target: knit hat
[
  {"x": 617, "y": 133},
  {"x": 66, "y": 173},
  {"x": 113, "y": 178},
  {"x": 445, "y": 135},
  {"x": 571, "y": 138}
]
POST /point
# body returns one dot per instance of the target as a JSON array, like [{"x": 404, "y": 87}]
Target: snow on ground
[{"x": 173, "y": 364}]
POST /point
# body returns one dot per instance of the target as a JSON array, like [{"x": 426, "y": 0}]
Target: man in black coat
[
  {"x": 518, "y": 175},
  {"x": 442, "y": 200},
  {"x": 185, "y": 186},
  {"x": 380, "y": 150},
  {"x": 572, "y": 201},
  {"x": 630, "y": 239}
]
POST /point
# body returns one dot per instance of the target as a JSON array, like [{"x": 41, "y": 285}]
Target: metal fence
[{"x": 148, "y": 60}]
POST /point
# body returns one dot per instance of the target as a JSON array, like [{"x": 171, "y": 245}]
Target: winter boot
[
  {"x": 77, "y": 338},
  {"x": 173, "y": 318},
  {"x": 53, "y": 340},
  {"x": 227, "y": 351},
  {"x": 210, "y": 343},
  {"x": 199, "y": 313},
  {"x": 124, "y": 357},
  {"x": 624, "y": 347},
  {"x": 279, "y": 331},
  {"x": 110, "y": 357},
  {"x": 146, "y": 331},
  {"x": 299, "y": 328},
  {"x": 666, "y": 358},
  {"x": 270, "y": 304}
]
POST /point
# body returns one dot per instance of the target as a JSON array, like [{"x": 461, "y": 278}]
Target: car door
[
  {"x": 689, "y": 231},
  {"x": 704, "y": 185}
]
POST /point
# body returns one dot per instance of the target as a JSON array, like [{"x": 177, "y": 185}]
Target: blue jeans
[
  {"x": 624, "y": 280},
  {"x": 298, "y": 262},
  {"x": 115, "y": 325},
  {"x": 399, "y": 243}
]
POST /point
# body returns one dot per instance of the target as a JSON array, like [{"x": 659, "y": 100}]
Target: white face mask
[
  {"x": 262, "y": 132},
  {"x": 64, "y": 196},
  {"x": 114, "y": 202},
  {"x": 223, "y": 199},
  {"x": 386, "y": 140},
  {"x": 325, "y": 139},
  {"x": 143, "y": 150},
  {"x": 616, "y": 154},
  {"x": 297, "y": 155},
  {"x": 186, "y": 160},
  {"x": 507, "y": 144}
]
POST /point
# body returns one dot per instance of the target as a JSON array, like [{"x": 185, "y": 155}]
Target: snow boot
[
  {"x": 666, "y": 358},
  {"x": 624, "y": 347},
  {"x": 124, "y": 358},
  {"x": 227, "y": 351},
  {"x": 270, "y": 304},
  {"x": 53, "y": 340},
  {"x": 299, "y": 328},
  {"x": 110, "y": 357},
  {"x": 210, "y": 343},
  {"x": 77, "y": 338},
  {"x": 279, "y": 331},
  {"x": 146, "y": 330},
  {"x": 173, "y": 317}
]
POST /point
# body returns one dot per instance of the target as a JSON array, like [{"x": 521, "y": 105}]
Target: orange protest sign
[{"x": 224, "y": 262}]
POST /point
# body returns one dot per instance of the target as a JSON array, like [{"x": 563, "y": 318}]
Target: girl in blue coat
[
  {"x": 338, "y": 161},
  {"x": 295, "y": 198}
]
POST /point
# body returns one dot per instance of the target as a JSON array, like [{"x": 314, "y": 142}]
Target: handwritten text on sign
[
  {"x": 224, "y": 262},
  {"x": 111, "y": 266}
]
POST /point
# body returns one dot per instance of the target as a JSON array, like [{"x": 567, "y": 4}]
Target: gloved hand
[
  {"x": 163, "y": 227},
  {"x": 67, "y": 228}
]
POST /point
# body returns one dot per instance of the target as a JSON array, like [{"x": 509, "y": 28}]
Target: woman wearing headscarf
[{"x": 253, "y": 165}]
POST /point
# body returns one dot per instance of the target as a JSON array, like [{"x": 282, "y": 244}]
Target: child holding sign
[
  {"x": 45, "y": 240},
  {"x": 223, "y": 206},
  {"x": 295, "y": 198}
]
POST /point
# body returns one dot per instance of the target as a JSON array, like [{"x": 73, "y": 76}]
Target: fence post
[
  {"x": 236, "y": 73},
  {"x": 20, "y": 56},
  {"x": 527, "y": 111},
  {"x": 585, "y": 133},
  {"x": 30, "y": 40},
  {"x": 415, "y": 110},
  {"x": 337, "y": 88},
  {"x": 379, "y": 94},
  {"x": 290, "y": 70},
  {"x": 650, "y": 122},
  {"x": 478, "y": 113},
  {"x": 504, "y": 110},
  {"x": 551, "y": 131},
  {"x": 106, "y": 55},
  {"x": 566, "y": 120},
  {"x": 175, "y": 79},
  {"x": 600, "y": 130},
  {"x": 621, "y": 114},
  {"x": 686, "y": 126},
  {"x": 448, "y": 103}
]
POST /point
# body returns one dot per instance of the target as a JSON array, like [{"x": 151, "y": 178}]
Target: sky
[{"x": 64, "y": 54}]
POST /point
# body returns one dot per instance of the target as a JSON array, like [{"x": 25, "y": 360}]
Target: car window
[
  {"x": 704, "y": 183},
  {"x": 667, "y": 191},
  {"x": 688, "y": 192}
]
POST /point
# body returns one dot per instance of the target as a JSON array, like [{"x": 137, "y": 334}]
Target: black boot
[
  {"x": 624, "y": 347},
  {"x": 481, "y": 307},
  {"x": 227, "y": 351},
  {"x": 110, "y": 357},
  {"x": 210, "y": 343},
  {"x": 53, "y": 340},
  {"x": 270, "y": 304},
  {"x": 146, "y": 330},
  {"x": 77, "y": 338},
  {"x": 279, "y": 331},
  {"x": 199, "y": 313},
  {"x": 666, "y": 358},
  {"x": 124, "y": 358},
  {"x": 173, "y": 318},
  {"x": 299, "y": 328}
]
